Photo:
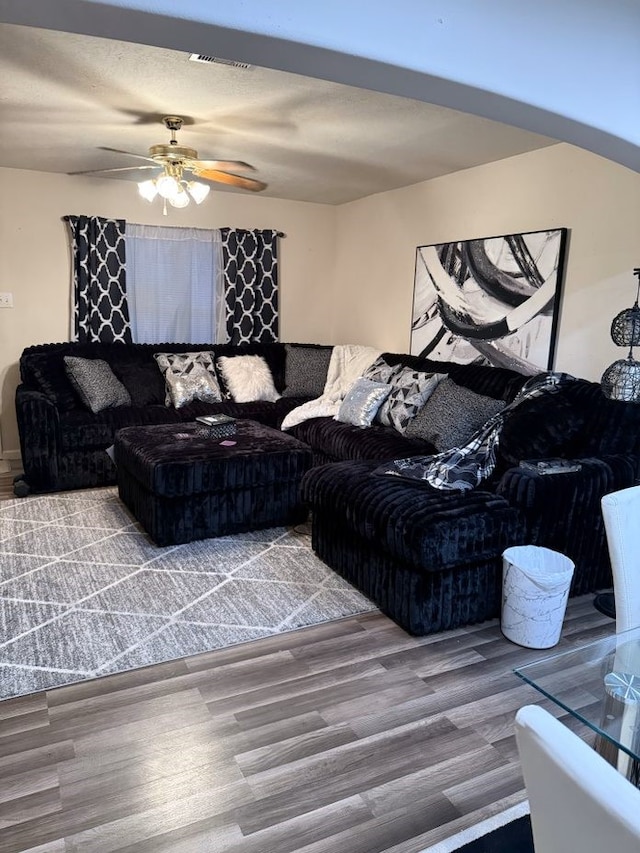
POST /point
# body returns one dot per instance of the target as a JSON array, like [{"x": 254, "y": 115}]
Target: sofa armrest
[
  {"x": 562, "y": 512},
  {"x": 40, "y": 442}
]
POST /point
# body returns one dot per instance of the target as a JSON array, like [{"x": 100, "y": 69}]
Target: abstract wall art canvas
[{"x": 493, "y": 300}]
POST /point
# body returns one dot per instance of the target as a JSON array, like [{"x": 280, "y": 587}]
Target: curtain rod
[{"x": 278, "y": 233}]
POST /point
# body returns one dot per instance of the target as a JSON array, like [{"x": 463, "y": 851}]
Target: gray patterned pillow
[
  {"x": 362, "y": 401},
  {"x": 410, "y": 390},
  {"x": 305, "y": 370},
  {"x": 452, "y": 415},
  {"x": 181, "y": 364},
  {"x": 380, "y": 371},
  {"x": 96, "y": 384}
]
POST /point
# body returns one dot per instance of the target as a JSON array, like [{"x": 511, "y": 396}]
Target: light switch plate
[{"x": 6, "y": 300}]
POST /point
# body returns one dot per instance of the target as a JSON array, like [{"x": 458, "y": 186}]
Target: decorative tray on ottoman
[{"x": 215, "y": 426}]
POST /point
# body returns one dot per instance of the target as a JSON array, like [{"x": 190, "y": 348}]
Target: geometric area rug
[{"x": 84, "y": 592}]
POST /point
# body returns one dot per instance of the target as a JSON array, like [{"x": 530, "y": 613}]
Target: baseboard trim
[{"x": 10, "y": 460}]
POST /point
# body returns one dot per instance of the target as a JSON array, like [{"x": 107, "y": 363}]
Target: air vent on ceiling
[{"x": 200, "y": 57}]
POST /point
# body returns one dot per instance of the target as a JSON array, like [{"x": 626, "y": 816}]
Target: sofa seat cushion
[
  {"x": 88, "y": 431},
  {"x": 269, "y": 414},
  {"x": 421, "y": 526},
  {"x": 335, "y": 440},
  {"x": 83, "y": 429}
]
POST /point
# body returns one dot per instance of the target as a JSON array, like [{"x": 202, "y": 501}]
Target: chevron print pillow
[{"x": 410, "y": 390}]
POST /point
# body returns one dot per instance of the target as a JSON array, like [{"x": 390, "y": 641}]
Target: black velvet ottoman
[
  {"x": 430, "y": 560},
  {"x": 182, "y": 487}
]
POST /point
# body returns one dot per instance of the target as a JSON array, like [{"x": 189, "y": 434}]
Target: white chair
[
  {"x": 621, "y": 513},
  {"x": 579, "y": 803}
]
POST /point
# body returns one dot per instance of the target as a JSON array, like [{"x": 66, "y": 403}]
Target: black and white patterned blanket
[{"x": 463, "y": 468}]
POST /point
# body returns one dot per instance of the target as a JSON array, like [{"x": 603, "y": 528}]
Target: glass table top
[{"x": 599, "y": 683}]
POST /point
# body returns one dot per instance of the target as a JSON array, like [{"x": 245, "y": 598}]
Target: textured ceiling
[{"x": 63, "y": 96}]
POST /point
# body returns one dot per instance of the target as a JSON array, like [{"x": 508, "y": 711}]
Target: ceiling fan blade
[
  {"x": 121, "y": 169},
  {"x": 128, "y": 153},
  {"x": 225, "y": 165},
  {"x": 232, "y": 180}
]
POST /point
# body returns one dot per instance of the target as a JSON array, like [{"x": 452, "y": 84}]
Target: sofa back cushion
[
  {"x": 497, "y": 382},
  {"x": 539, "y": 428},
  {"x": 608, "y": 426},
  {"x": 46, "y": 373},
  {"x": 42, "y": 367},
  {"x": 142, "y": 378}
]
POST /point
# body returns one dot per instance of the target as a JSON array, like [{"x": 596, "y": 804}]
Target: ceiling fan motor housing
[{"x": 163, "y": 153}]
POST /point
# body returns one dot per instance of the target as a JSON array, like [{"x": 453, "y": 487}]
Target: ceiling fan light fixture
[
  {"x": 148, "y": 190},
  {"x": 167, "y": 186},
  {"x": 180, "y": 199},
  {"x": 198, "y": 191}
]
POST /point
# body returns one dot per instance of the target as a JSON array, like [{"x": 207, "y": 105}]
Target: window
[{"x": 174, "y": 284}]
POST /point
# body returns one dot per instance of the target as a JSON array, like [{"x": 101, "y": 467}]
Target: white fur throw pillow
[{"x": 248, "y": 378}]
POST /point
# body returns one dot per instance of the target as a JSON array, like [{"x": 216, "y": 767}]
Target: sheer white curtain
[{"x": 174, "y": 284}]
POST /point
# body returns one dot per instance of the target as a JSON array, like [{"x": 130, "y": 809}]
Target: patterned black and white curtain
[
  {"x": 100, "y": 310},
  {"x": 250, "y": 260}
]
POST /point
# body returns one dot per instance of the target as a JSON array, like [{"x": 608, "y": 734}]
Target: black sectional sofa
[
  {"x": 430, "y": 559},
  {"x": 63, "y": 443}
]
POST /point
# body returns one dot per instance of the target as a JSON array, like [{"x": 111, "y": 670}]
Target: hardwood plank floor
[{"x": 348, "y": 736}]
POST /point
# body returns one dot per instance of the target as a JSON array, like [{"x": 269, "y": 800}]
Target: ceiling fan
[{"x": 173, "y": 160}]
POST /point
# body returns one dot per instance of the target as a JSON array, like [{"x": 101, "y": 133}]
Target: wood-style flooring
[
  {"x": 6, "y": 484},
  {"x": 348, "y": 736}
]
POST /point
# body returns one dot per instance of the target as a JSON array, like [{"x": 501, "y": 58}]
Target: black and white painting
[{"x": 494, "y": 300}]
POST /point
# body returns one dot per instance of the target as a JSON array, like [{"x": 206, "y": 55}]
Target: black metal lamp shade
[
  {"x": 621, "y": 380},
  {"x": 625, "y": 329}
]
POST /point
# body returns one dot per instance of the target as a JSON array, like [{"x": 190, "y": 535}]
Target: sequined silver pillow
[
  {"x": 182, "y": 364},
  {"x": 96, "y": 384},
  {"x": 198, "y": 384},
  {"x": 362, "y": 401}
]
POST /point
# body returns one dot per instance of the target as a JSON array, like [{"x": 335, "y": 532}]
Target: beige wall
[
  {"x": 34, "y": 259},
  {"x": 347, "y": 272},
  {"x": 562, "y": 186}
]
